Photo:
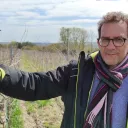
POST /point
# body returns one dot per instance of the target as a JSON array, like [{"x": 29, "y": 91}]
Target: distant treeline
[
  {"x": 71, "y": 40},
  {"x": 17, "y": 44},
  {"x": 55, "y": 47}
]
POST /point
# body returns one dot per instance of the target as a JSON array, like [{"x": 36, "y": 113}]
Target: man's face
[{"x": 111, "y": 54}]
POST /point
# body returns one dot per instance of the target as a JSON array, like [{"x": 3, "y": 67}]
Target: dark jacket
[{"x": 72, "y": 82}]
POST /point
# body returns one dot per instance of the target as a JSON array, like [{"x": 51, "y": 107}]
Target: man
[{"x": 94, "y": 89}]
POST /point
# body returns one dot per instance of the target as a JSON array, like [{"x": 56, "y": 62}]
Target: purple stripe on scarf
[
  {"x": 120, "y": 65},
  {"x": 97, "y": 65}
]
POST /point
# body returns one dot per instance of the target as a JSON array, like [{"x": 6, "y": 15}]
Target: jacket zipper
[{"x": 76, "y": 93}]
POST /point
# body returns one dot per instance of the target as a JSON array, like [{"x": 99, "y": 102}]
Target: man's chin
[{"x": 111, "y": 64}]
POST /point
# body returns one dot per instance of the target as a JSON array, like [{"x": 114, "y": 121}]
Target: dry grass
[{"x": 49, "y": 116}]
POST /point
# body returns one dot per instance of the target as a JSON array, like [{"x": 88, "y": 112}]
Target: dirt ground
[{"x": 49, "y": 116}]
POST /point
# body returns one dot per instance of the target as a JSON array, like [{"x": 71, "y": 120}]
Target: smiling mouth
[{"x": 112, "y": 55}]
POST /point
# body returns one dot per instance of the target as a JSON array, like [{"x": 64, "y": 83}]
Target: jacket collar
[{"x": 92, "y": 55}]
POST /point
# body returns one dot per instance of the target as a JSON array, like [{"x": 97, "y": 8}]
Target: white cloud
[
  {"x": 51, "y": 15},
  {"x": 88, "y": 8},
  {"x": 27, "y": 14}
]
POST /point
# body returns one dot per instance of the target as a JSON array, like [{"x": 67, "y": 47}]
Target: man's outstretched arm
[{"x": 34, "y": 86}]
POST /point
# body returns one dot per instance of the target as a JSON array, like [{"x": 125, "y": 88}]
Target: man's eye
[
  {"x": 118, "y": 39},
  {"x": 105, "y": 40}
]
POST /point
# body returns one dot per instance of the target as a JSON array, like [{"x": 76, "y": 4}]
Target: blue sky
[{"x": 41, "y": 20}]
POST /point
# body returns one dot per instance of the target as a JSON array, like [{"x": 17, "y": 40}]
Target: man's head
[{"x": 113, "y": 38}]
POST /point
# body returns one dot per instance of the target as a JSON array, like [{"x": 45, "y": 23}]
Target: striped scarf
[{"x": 99, "y": 111}]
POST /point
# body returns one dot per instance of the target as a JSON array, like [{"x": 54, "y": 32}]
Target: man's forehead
[
  {"x": 114, "y": 29},
  {"x": 121, "y": 24}
]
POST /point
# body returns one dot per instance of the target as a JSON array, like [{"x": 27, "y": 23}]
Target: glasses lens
[
  {"x": 116, "y": 41},
  {"x": 119, "y": 42},
  {"x": 104, "y": 42}
]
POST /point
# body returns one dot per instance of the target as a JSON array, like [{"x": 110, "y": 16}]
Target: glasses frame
[{"x": 124, "y": 39}]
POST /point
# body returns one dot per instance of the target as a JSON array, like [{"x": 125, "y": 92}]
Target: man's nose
[{"x": 111, "y": 45}]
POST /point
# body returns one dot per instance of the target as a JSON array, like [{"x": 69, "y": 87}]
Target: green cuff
[
  {"x": 2, "y": 73},
  {"x": 93, "y": 55}
]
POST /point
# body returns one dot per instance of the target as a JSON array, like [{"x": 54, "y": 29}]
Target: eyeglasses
[{"x": 118, "y": 42}]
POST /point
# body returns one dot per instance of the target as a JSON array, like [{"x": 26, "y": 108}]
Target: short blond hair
[{"x": 112, "y": 17}]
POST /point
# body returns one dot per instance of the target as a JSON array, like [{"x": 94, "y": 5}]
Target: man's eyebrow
[
  {"x": 112, "y": 38},
  {"x": 105, "y": 37},
  {"x": 119, "y": 37}
]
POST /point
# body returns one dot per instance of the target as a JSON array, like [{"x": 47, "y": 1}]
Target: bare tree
[
  {"x": 65, "y": 35},
  {"x": 91, "y": 36},
  {"x": 74, "y": 36}
]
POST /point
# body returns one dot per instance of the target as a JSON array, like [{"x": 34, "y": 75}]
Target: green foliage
[
  {"x": 65, "y": 34},
  {"x": 31, "y": 47},
  {"x": 16, "y": 120},
  {"x": 73, "y": 35},
  {"x": 32, "y": 107},
  {"x": 20, "y": 45},
  {"x": 42, "y": 103},
  {"x": 74, "y": 38},
  {"x": 47, "y": 125},
  {"x": 3, "y": 45},
  {"x": 55, "y": 47},
  {"x": 27, "y": 44}
]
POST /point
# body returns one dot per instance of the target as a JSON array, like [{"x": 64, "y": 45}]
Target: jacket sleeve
[{"x": 34, "y": 86}]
